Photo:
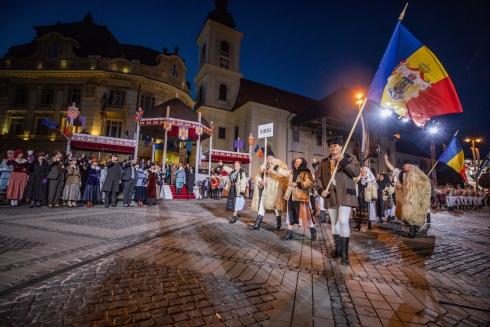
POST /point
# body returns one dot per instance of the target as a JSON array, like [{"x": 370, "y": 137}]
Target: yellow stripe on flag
[
  {"x": 427, "y": 62},
  {"x": 457, "y": 162}
]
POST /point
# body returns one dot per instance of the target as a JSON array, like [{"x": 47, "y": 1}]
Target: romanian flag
[
  {"x": 411, "y": 80},
  {"x": 453, "y": 156}
]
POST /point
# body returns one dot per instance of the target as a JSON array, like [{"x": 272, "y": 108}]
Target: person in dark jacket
[
  {"x": 91, "y": 194},
  {"x": 112, "y": 181},
  {"x": 129, "y": 177},
  {"x": 55, "y": 178},
  {"x": 36, "y": 189},
  {"x": 341, "y": 196}
]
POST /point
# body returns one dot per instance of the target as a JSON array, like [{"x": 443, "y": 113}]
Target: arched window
[
  {"x": 225, "y": 48},
  {"x": 223, "y": 92},
  {"x": 175, "y": 71},
  {"x": 54, "y": 51}
]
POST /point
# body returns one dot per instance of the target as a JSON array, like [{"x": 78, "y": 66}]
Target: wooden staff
[{"x": 344, "y": 148}]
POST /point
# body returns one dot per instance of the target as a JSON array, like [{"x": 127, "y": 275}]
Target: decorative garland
[
  {"x": 103, "y": 140},
  {"x": 169, "y": 122}
]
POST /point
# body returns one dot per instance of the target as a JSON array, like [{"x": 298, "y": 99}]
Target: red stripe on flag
[{"x": 440, "y": 99}]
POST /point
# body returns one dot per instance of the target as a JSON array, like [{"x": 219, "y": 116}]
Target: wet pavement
[{"x": 182, "y": 264}]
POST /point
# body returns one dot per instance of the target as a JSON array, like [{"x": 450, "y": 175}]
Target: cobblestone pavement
[{"x": 182, "y": 264}]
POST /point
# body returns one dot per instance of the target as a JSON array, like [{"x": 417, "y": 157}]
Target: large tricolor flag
[
  {"x": 453, "y": 156},
  {"x": 411, "y": 80}
]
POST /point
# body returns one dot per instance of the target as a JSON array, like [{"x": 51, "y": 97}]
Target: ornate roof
[{"x": 221, "y": 15}]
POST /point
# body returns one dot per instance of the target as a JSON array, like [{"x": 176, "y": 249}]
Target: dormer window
[
  {"x": 54, "y": 51},
  {"x": 174, "y": 71}
]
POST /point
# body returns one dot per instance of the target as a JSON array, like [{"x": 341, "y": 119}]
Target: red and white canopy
[
  {"x": 102, "y": 143},
  {"x": 229, "y": 156}
]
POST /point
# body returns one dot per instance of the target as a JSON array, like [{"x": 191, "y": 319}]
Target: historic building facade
[{"x": 82, "y": 63}]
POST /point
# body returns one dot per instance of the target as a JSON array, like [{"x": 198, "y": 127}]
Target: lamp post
[
  {"x": 433, "y": 130},
  {"x": 474, "y": 150},
  {"x": 359, "y": 100}
]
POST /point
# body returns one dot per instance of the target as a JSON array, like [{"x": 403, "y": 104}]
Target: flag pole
[
  {"x": 402, "y": 14},
  {"x": 344, "y": 148}
]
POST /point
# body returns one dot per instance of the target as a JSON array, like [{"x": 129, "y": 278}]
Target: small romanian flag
[
  {"x": 411, "y": 81},
  {"x": 453, "y": 156}
]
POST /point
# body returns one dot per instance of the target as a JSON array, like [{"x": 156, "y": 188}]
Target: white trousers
[
  {"x": 390, "y": 212},
  {"x": 261, "y": 210},
  {"x": 340, "y": 220}
]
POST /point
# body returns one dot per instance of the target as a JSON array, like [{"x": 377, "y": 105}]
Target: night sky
[{"x": 307, "y": 47}]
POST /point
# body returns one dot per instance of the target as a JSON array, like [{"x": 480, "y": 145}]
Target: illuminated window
[
  {"x": 16, "y": 125},
  {"x": 113, "y": 128}
]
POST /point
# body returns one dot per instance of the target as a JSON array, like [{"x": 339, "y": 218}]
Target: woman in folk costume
[
  {"x": 141, "y": 189},
  {"x": 91, "y": 193},
  {"x": 341, "y": 196},
  {"x": 36, "y": 189},
  {"x": 179, "y": 178},
  {"x": 269, "y": 189},
  {"x": 236, "y": 186},
  {"x": 367, "y": 190},
  {"x": 6, "y": 168},
  {"x": 71, "y": 192},
  {"x": 388, "y": 199},
  {"x": 412, "y": 192},
  {"x": 18, "y": 179},
  {"x": 298, "y": 198}
]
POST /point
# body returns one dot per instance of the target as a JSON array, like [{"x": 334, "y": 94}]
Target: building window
[
  {"x": 201, "y": 94},
  {"x": 175, "y": 71},
  {"x": 147, "y": 102},
  {"x": 225, "y": 49},
  {"x": 113, "y": 128},
  {"x": 75, "y": 95},
  {"x": 116, "y": 98},
  {"x": 223, "y": 92},
  {"x": 203, "y": 54},
  {"x": 21, "y": 94},
  {"x": 222, "y": 133},
  {"x": 16, "y": 125},
  {"x": 41, "y": 129},
  {"x": 47, "y": 97},
  {"x": 54, "y": 51},
  {"x": 224, "y": 63},
  {"x": 318, "y": 138},
  {"x": 296, "y": 134}
]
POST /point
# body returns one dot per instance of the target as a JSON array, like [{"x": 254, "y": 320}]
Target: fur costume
[
  {"x": 275, "y": 188},
  {"x": 413, "y": 197}
]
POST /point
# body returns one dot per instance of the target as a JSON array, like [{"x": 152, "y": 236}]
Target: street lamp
[
  {"x": 433, "y": 130},
  {"x": 474, "y": 150},
  {"x": 359, "y": 100}
]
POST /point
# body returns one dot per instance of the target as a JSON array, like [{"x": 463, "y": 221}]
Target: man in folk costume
[
  {"x": 341, "y": 196},
  {"x": 236, "y": 187},
  {"x": 269, "y": 189},
  {"x": 412, "y": 193}
]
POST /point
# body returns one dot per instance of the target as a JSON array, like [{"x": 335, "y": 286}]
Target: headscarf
[{"x": 369, "y": 177}]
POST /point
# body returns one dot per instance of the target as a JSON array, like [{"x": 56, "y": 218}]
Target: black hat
[{"x": 336, "y": 140}]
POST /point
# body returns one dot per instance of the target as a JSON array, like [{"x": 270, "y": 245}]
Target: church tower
[{"x": 218, "y": 79}]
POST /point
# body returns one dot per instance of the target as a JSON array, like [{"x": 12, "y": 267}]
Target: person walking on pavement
[{"x": 112, "y": 181}]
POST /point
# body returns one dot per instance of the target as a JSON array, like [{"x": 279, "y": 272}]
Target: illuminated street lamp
[
  {"x": 474, "y": 150},
  {"x": 433, "y": 130}
]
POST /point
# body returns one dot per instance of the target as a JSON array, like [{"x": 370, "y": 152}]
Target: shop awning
[{"x": 102, "y": 143}]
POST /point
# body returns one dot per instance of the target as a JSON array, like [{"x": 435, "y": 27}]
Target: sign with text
[{"x": 266, "y": 130}]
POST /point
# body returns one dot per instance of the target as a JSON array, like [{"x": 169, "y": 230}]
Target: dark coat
[
  {"x": 126, "y": 172},
  {"x": 56, "y": 170},
  {"x": 113, "y": 177},
  {"x": 36, "y": 189},
  {"x": 344, "y": 191}
]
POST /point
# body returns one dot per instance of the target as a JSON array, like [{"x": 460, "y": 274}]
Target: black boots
[
  {"x": 428, "y": 218},
  {"x": 413, "y": 231},
  {"x": 258, "y": 222},
  {"x": 233, "y": 219},
  {"x": 313, "y": 233},
  {"x": 336, "y": 250},
  {"x": 289, "y": 235},
  {"x": 278, "y": 222},
  {"x": 344, "y": 248}
]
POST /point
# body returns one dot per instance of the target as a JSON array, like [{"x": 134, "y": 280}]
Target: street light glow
[
  {"x": 405, "y": 120},
  {"x": 433, "y": 130},
  {"x": 385, "y": 113}
]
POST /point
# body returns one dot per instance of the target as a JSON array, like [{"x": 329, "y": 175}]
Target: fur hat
[{"x": 336, "y": 140}]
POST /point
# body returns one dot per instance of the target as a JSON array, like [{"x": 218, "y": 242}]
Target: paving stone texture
[{"x": 182, "y": 264}]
